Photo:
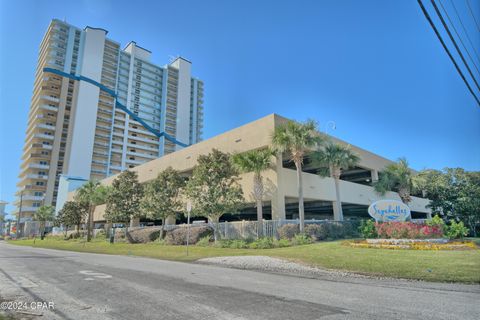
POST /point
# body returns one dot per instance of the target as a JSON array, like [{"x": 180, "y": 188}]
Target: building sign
[{"x": 389, "y": 210}]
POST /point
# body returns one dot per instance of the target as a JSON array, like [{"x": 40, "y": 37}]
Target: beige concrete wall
[{"x": 280, "y": 182}]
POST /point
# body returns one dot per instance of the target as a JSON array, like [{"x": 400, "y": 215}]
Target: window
[
  {"x": 36, "y": 204},
  {"x": 40, "y": 183},
  {"x": 41, "y": 173},
  {"x": 45, "y": 153},
  {"x": 38, "y": 194},
  {"x": 44, "y": 163}
]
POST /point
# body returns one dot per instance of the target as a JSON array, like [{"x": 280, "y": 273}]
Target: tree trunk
[
  {"x": 78, "y": 230},
  {"x": 339, "y": 216},
  {"x": 42, "y": 230},
  {"x": 134, "y": 222},
  {"x": 90, "y": 223},
  {"x": 162, "y": 231},
  {"x": 301, "y": 211},
  {"x": 258, "y": 193},
  {"x": 216, "y": 229}
]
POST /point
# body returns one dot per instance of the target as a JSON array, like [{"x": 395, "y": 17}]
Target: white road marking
[{"x": 93, "y": 274}]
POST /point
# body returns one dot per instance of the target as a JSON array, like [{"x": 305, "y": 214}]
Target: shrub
[
  {"x": 143, "y": 235},
  {"x": 288, "y": 231},
  {"x": 407, "y": 230},
  {"x": 301, "y": 239},
  {"x": 204, "y": 241},
  {"x": 336, "y": 230},
  {"x": 317, "y": 231},
  {"x": 456, "y": 230},
  {"x": 282, "y": 243},
  {"x": 178, "y": 236},
  {"x": 367, "y": 229},
  {"x": 262, "y": 243},
  {"x": 436, "y": 221},
  {"x": 238, "y": 244}
]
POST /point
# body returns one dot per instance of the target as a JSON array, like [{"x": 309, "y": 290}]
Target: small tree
[
  {"x": 333, "y": 159},
  {"x": 295, "y": 140},
  {"x": 213, "y": 187},
  {"x": 161, "y": 196},
  {"x": 90, "y": 195},
  {"x": 42, "y": 215},
  {"x": 255, "y": 161},
  {"x": 73, "y": 213},
  {"x": 396, "y": 177},
  {"x": 123, "y": 200}
]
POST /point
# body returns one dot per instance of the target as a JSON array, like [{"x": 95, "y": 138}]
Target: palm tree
[
  {"x": 296, "y": 139},
  {"x": 333, "y": 159},
  {"x": 396, "y": 177},
  {"x": 255, "y": 161},
  {"x": 91, "y": 194},
  {"x": 44, "y": 214}
]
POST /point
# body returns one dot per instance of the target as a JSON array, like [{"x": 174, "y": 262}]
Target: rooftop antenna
[{"x": 173, "y": 58}]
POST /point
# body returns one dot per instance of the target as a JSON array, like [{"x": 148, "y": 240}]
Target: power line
[
  {"x": 473, "y": 16},
  {"x": 464, "y": 29},
  {"x": 458, "y": 35},
  {"x": 454, "y": 42},
  {"x": 429, "y": 19}
]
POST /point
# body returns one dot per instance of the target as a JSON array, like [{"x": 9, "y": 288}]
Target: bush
[
  {"x": 336, "y": 230},
  {"x": 456, "y": 230},
  {"x": 178, "y": 236},
  {"x": 367, "y": 229},
  {"x": 143, "y": 235},
  {"x": 288, "y": 231},
  {"x": 262, "y": 243},
  {"x": 301, "y": 239},
  {"x": 436, "y": 221},
  {"x": 204, "y": 241},
  {"x": 317, "y": 231},
  {"x": 407, "y": 230},
  {"x": 282, "y": 243}
]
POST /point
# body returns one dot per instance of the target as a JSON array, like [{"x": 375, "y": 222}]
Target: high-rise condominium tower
[{"x": 98, "y": 109}]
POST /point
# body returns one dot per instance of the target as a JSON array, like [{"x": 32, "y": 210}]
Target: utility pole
[
  {"x": 19, "y": 214},
  {"x": 189, "y": 209}
]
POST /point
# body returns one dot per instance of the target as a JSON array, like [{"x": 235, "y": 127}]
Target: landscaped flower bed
[
  {"x": 412, "y": 245},
  {"x": 435, "y": 234}
]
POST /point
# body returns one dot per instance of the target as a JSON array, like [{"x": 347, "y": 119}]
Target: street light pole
[
  {"x": 332, "y": 124},
  {"x": 189, "y": 209},
  {"x": 19, "y": 214}
]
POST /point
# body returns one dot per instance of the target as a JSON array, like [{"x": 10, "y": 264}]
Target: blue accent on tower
[{"x": 117, "y": 104}]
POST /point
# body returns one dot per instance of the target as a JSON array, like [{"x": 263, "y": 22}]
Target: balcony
[
  {"x": 43, "y": 136},
  {"x": 36, "y": 176}
]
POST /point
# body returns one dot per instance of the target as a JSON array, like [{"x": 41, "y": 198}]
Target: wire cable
[
  {"x": 458, "y": 35},
  {"x": 465, "y": 30},
  {"x": 473, "y": 16},
  {"x": 454, "y": 43},
  {"x": 429, "y": 19}
]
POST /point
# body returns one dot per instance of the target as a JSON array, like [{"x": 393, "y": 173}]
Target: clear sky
[{"x": 374, "y": 67}]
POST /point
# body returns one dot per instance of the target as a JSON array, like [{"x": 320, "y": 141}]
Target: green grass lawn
[{"x": 451, "y": 266}]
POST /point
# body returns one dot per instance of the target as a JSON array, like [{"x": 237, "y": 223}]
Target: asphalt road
[{"x": 94, "y": 286}]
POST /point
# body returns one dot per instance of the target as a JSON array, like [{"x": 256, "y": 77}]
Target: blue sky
[{"x": 374, "y": 67}]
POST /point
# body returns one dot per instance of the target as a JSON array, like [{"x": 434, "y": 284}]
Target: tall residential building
[{"x": 98, "y": 109}]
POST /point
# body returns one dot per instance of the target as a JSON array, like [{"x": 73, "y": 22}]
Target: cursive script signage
[{"x": 389, "y": 210}]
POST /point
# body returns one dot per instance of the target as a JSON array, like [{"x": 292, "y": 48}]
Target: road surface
[{"x": 94, "y": 286}]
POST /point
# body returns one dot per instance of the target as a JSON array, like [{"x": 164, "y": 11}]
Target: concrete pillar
[
  {"x": 374, "y": 174},
  {"x": 278, "y": 206}
]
